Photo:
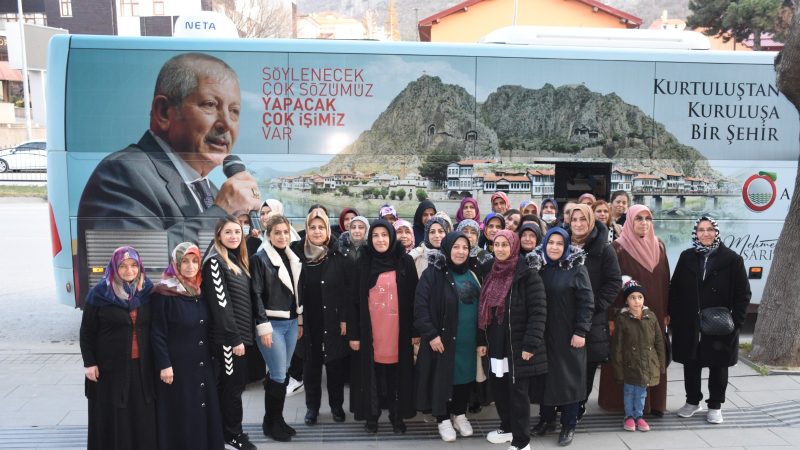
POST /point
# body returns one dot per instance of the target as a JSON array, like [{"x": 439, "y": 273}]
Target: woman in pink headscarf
[{"x": 643, "y": 257}]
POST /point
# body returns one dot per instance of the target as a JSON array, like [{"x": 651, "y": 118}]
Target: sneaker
[
  {"x": 462, "y": 425},
  {"x": 240, "y": 442},
  {"x": 294, "y": 387},
  {"x": 514, "y": 447},
  {"x": 688, "y": 410},
  {"x": 446, "y": 431},
  {"x": 629, "y": 424},
  {"x": 714, "y": 416},
  {"x": 499, "y": 436},
  {"x": 642, "y": 424}
]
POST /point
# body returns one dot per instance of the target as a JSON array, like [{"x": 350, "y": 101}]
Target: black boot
[
  {"x": 276, "y": 394},
  {"x": 566, "y": 436},
  {"x": 265, "y": 427},
  {"x": 286, "y": 427},
  {"x": 542, "y": 428}
]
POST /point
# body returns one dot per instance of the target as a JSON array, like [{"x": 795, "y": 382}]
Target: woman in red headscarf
[{"x": 643, "y": 257}]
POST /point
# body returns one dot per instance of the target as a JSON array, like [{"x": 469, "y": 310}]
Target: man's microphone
[{"x": 232, "y": 165}]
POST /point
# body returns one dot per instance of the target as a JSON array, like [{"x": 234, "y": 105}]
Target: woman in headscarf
[
  {"x": 435, "y": 230},
  {"x": 273, "y": 206},
  {"x": 276, "y": 271},
  {"x": 530, "y": 236},
  {"x": 513, "y": 310},
  {"x": 602, "y": 213},
  {"x": 388, "y": 213},
  {"x": 591, "y": 235},
  {"x": 707, "y": 275},
  {"x": 569, "y": 319},
  {"x": 115, "y": 346},
  {"x": 353, "y": 241},
  {"x": 425, "y": 211},
  {"x": 643, "y": 257},
  {"x": 381, "y": 331},
  {"x": 492, "y": 223},
  {"x": 549, "y": 212},
  {"x": 180, "y": 338},
  {"x": 345, "y": 217},
  {"x": 446, "y": 316},
  {"x": 480, "y": 260},
  {"x": 587, "y": 198},
  {"x": 528, "y": 207},
  {"x": 405, "y": 234},
  {"x": 226, "y": 291},
  {"x": 446, "y": 218},
  {"x": 323, "y": 290},
  {"x": 500, "y": 203},
  {"x": 468, "y": 209},
  {"x": 513, "y": 219}
]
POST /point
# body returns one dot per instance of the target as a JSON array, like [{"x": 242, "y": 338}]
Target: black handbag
[{"x": 716, "y": 321}]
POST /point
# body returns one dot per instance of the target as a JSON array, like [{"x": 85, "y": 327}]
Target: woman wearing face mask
[
  {"x": 480, "y": 261},
  {"x": 606, "y": 279},
  {"x": 602, "y": 214},
  {"x": 352, "y": 242},
  {"x": 468, "y": 209},
  {"x": 405, "y": 234},
  {"x": 435, "y": 231},
  {"x": 569, "y": 319},
  {"x": 251, "y": 235},
  {"x": 707, "y": 275},
  {"x": 513, "y": 310},
  {"x": 425, "y": 211},
  {"x": 180, "y": 340},
  {"x": 643, "y": 257},
  {"x": 380, "y": 329},
  {"x": 323, "y": 288},
  {"x": 226, "y": 290},
  {"x": 492, "y": 223},
  {"x": 276, "y": 271},
  {"x": 549, "y": 212},
  {"x": 115, "y": 345},
  {"x": 446, "y": 315},
  {"x": 513, "y": 219},
  {"x": 530, "y": 235}
]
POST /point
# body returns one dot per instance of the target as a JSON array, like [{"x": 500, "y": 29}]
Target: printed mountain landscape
[{"x": 565, "y": 122}]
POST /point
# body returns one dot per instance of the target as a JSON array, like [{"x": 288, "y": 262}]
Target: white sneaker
[
  {"x": 527, "y": 447},
  {"x": 688, "y": 410},
  {"x": 714, "y": 416},
  {"x": 294, "y": 387},
  {"x": 499, "y": 436},
  {"x": 462, "y": 425},
  {"x": 446, "y": 431}
]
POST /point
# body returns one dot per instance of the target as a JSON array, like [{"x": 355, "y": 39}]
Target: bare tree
[
  {"x": 258, "y": 18},
  {"x": 776, "y": 340}
]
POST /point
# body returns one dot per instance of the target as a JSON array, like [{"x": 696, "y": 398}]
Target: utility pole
[{"x": 25, "y": 95}]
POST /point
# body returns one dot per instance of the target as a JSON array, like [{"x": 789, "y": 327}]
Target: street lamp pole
[{"x": 26, "y": 96}]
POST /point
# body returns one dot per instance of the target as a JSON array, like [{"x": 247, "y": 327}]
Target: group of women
[{"x": 419, "y": 315}]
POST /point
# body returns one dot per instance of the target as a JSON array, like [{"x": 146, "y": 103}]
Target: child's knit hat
[{"x": 629, "y": 286}]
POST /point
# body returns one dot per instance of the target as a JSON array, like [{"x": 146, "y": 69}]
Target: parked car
[{"x": 30, "y": 155}]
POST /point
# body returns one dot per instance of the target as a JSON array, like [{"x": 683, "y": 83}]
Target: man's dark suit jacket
[{"x": 138, "y": 188}]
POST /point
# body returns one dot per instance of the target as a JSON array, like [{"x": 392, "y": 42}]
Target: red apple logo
[{"x": 759, "y": 191}]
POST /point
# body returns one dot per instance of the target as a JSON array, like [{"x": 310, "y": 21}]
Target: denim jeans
[
  {"x": 634, "y": 400},
  {"x": 277, "y": 357}
]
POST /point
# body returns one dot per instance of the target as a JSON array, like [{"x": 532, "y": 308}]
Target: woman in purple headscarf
[{"x": 115, "y": 345}]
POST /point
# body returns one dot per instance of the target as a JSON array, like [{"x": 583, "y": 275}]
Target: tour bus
[{"x": 685, "y": 131}]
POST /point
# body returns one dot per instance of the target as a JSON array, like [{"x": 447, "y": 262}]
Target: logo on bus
[{"x": 759, "y": 191}]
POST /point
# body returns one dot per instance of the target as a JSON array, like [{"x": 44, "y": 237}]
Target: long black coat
[
  {"x": 436, "y": 314},
  {"x": 525, "y": 315},
  {"x": 335, "y": 290},
  {"x": 188, "y": 409},
  {"x": 725, "y": 284},
  {"x": 364, "y": 400},
  {"x": 606, "y": 279},
  {"x": 570, "y": 305}
]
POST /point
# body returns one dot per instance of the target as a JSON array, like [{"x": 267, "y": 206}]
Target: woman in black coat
[
  {"x": 446, "y": 316},
  {"x": 425, "y": 211},
  {"x": 570, "y": 305},
  {"x": 513, "y": 310},
  {"x": 187, "y": 404},
  {"x": 606, "y": 279},
  {"x": 386, "y": 354},
  {"x": 708, "y": 274},
  {"x": 323, "y": 288},
  {"x": 115, "y": 345}
]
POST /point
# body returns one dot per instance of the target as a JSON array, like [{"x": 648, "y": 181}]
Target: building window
[
  {"x": 34, "y": 18},
  {"x": 158, "y": 7},
  {"x": 129, "y": 8},
  {"x": 431, "y": 130},
  {"x": 65, "y": 7}
]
